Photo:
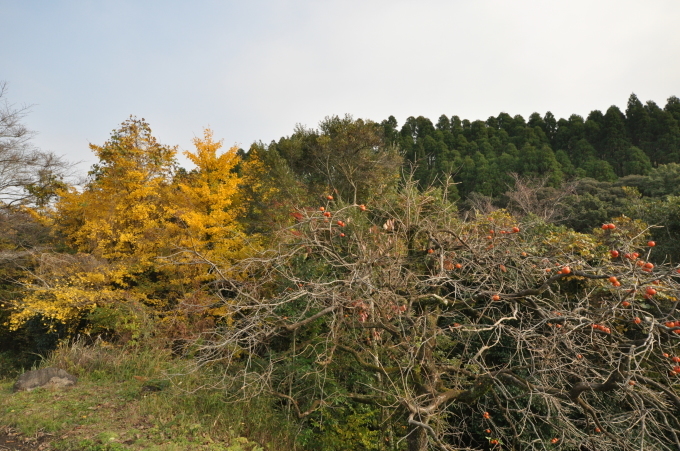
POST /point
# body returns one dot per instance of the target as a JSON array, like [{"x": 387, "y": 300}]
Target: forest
[{"x": 506, "y": 283}]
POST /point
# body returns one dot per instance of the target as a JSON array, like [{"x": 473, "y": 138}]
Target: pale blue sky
[{"x": 251, "y": 70}]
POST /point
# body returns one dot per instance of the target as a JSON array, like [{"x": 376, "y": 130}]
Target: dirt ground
[{"x": 10, "y": 440}]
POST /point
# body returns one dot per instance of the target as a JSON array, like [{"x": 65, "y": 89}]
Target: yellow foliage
[
  {"x": 567, "y": 241},
  {"x": 141, "y": 230},
  {"x": 123, "y": 209},
  {"x": 206, "y": 203},
  {"x": 66, "y": 287}
]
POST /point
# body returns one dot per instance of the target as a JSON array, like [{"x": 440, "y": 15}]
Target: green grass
[{"x": 110, "y": 409}]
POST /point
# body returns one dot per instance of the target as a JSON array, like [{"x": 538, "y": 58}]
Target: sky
[{"x": 252, "y": 70}]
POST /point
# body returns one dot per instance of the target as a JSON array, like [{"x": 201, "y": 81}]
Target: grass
[{"x": 112, "y": 408}]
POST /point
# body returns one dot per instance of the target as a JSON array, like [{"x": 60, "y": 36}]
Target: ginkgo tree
[
  {"x": 207, "y": 202},
  {"x": 479, "y": 333},
  {"x": 124, "y": 207},
  {"x": 135, "y": 211}
]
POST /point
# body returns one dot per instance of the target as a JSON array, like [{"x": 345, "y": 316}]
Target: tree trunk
[{"x": 417, "y": 439}]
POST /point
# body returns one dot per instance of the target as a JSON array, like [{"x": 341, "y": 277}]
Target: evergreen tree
[
  {"x": 637, "y": 121},
  {"x": 662, "y": 142},
  {"x": 539, "y": 161},
  {"x": 390, "y": 130},
  {"x": 443, "y": 124},
  {"x": 635, "y": 162},
  {"x": 551, "y": 126},
  {"x": 614, "y": 143},
  {"x": 673, "y": 107}
]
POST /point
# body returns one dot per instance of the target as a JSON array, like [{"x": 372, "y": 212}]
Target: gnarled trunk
[{"x": 417, "y": 439}]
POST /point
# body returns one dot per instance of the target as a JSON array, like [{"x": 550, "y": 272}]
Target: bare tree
[
  {"x": 533, "y": 196},
  {"x": 25, "y": 172},
  {"x": 463, "y": 334}
]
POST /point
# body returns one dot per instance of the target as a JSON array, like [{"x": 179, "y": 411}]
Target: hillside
[{"x": 499, "y": 284}]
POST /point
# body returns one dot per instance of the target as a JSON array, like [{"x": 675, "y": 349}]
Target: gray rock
[{"x": 45, "y": 377}]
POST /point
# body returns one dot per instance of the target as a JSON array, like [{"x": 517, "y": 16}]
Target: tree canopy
[{"x": 506, "y": 283}]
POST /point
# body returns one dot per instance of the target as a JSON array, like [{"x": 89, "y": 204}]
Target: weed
[{"x": 125, "y": 400}]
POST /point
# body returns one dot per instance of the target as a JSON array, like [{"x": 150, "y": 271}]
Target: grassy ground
[{"x": 125, "y": 401}]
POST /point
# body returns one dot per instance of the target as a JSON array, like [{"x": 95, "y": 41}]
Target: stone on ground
[{"x": 44, "y": 377}]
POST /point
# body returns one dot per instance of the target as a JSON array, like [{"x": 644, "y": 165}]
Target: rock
[{"x": 45, "y": 377}]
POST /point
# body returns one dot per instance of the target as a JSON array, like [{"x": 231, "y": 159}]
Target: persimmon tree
[{"x": 483, "y": 333}]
